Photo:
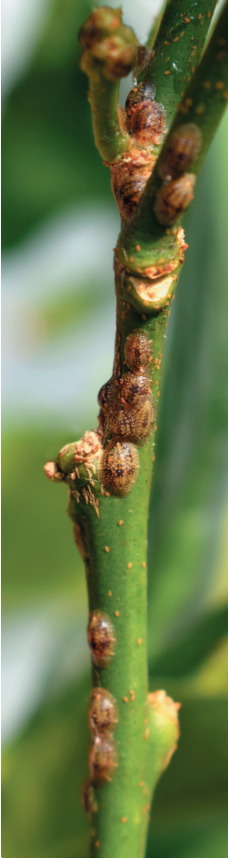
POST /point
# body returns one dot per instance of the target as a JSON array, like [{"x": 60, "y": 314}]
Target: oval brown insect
[
  {"x": 119, "y": 467},
  {"x": 143, "y": 92},
  {"x": 133, "y": 388},
  {"x": 134, "y": 423},
  {"x": 103, "y": 759},
  {"x": 129, "y": 193},
  {"x": 105, "y": 394},
  {"x": 173, "y": 198},
  {"x": 103, "y": 711},
  {"x": 183, "y": 149},
  {"x": 137, "y": 351},
  {"x": 101, "y": 638},
  {"x": 148, "y": 123}
]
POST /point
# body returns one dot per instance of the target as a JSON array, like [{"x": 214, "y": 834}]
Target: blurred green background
[{"x": 59, "y": 229}]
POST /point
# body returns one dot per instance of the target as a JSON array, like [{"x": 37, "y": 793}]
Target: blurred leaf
[
  {"x": 48, "y": 154},
  {"x": 72, "y": 306},
  {"x": 191, "y": 798},
  {"x": 42, "y": 777},
  {"x": 189, "y": 495},
  {"x": 191, "y": 649},
  {"x": 38, "y": 551}
]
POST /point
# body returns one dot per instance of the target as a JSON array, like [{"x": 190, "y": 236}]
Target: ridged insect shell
[
  {"x": 103, "y": 711},
  {"x": 173, "y": 198},
  {"x": 103, "y": 759},
  {"x": 138, "y": 351},
  {"x": 148, "y": 123},
  {"x": 183, "y": 149},
  {"x": 101, "y": 638},
  {"x": 119, "y": 467},
  {"x": 143, "y": 92},
  {"x": 134, "y": 424}
]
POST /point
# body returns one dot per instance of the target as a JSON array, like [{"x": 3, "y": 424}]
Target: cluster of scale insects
[
  {"x": 127, "y": 415},
  {"x": 103, "y": 711},
  {"x": 146, "y": 123}
]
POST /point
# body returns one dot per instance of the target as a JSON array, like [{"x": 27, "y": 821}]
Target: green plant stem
[
  {"x": 110, "y": 140},
  {"x": 112, "y": 532},
  {"x": 206, "y": 110},
  {"x": 117, "y": 582},
  {"x": 184, "y": 27}
]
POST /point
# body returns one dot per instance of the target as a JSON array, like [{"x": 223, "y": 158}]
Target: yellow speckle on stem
[
  {"x": 219, "y": 85},
  {"x": 109, "y": 594},
  {"x": 167, "y": 73},
  {"x": 117, "y": 613},
  {"x": 120, "y": 523},
  {"x": 139, "y": 641},
  {"x": 129, "y": 564},
  {"x": 125, "y": 698},
  {"x": 143, "y": 564},
  {"x": 124, "y": 819},
  {"x": 106, "y": 548}
]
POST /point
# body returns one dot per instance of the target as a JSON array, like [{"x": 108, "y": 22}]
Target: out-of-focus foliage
[{"x": 49, "y": 161}]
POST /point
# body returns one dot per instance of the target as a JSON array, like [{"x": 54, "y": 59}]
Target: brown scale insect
[
  {"x": 173, "y": 198},
  {"x": 103, "y": 712},
  {"x": 101, "y": 638},
  {"x": 137, "y": 351},
  {"x": 143, "y": 92},
  {"x": 106, "y": 394},
  {"x": 133, "y": 387},
  {"x": 128, "y": 179},
  {"x": 183, "y": 149},
  {"x": 119, "y": 467},
  {"x": 148, "y": 123},
  {"x": 103, "y": 759},
  {"x": 134, "y": 424},
  {"x": 146, "y": 119},
  {"x": 129, "y": 192}
]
